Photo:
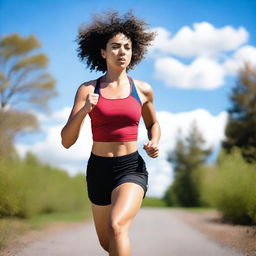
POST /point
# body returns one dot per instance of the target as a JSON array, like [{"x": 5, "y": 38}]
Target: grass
[
  {"x": 153, "y": 202},
  {"x": 195, "y": 209},
  {"x": 159, "y": 203},
  {"x": 41, "y": 220}
]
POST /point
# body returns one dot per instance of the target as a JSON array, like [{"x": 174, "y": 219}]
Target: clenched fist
[
  {"x": 151, "y": 149},
  {"x": 91, "y": 101}
]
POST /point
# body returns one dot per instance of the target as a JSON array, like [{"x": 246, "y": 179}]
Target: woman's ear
[{"x": 103, "y": 53}]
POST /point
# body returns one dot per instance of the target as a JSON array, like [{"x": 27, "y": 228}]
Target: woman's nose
[{"x": 122, "y": 50}]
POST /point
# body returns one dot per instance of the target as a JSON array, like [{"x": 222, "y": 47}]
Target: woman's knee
[{"x": 118, "y": 228}]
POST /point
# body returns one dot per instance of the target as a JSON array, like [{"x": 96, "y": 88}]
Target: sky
[{"x": 192, "y": 67}]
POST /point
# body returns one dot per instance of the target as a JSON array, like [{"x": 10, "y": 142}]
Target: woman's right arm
[{"x": 84, "y": 102}]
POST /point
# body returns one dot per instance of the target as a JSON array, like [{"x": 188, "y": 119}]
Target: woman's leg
[
  {"x": 101, "y": 220},
  {"x": 126, "y": 201}
]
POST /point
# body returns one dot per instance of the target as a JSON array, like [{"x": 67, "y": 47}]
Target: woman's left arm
[{"x": 151, "y": 123}]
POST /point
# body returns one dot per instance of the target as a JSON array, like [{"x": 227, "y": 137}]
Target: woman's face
[{"x": 118, "y": 51}]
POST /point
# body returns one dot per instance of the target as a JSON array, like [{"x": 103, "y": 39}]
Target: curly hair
[{"x": 95, "y": 36}]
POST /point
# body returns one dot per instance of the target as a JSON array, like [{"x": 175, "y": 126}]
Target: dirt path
[
  {"x": 161, "y": 232},
  {"x": 239, "y": 237}
]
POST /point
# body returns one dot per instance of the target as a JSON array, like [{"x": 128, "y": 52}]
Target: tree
[
  {"x": 24, "y": 85},
  {"x": 187, "y": 156},
  {"x": 241, "y": 127}
]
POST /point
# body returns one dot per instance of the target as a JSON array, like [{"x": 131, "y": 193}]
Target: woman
[{"x": 116, "y": 174}]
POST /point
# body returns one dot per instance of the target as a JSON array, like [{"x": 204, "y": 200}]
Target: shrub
[
  {"x": 28, "y": 187},
  {"x": 230, "y": 187}
]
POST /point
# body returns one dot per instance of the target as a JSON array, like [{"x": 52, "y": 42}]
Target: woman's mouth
[{"x": 122, "y": 59}]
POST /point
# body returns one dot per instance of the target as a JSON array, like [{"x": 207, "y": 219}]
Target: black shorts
[{"x": 103, "y": 174}]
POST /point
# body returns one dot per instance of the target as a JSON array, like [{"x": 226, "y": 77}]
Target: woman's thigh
[
  {"x": 126, "y": 201},
  {"x": 101, "y": 215}
]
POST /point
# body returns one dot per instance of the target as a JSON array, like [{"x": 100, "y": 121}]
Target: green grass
[
  {"x": 41, "y": 220},
  {"x": 153, "y": 202},
  {"x": 194, "y": 209},
  {"x": 159, "y": 203}
]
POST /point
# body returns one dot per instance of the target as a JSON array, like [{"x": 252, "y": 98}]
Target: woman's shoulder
[
  {"x": 87, "y": 85},
  {"x": 144, "y": 87},
  {"x": 85, "y": 88}
]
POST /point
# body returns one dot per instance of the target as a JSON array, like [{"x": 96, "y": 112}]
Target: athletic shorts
[{"x": 103, "y": 174}]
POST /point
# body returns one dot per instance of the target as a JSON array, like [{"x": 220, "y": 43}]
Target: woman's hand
[
  {"x": 91, "y": 101},
  {"x": 84, "y": 102},
  {"x": 152, "y": 149}
]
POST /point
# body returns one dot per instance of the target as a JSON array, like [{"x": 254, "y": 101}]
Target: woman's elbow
[
  {"x": 64, "y": 141},
  {"x": 65, "y": 144}
]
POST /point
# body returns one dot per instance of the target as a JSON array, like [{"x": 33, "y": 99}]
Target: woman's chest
[{"x": 117, "y": 110}]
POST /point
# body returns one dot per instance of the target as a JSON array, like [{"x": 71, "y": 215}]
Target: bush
[
  {"x": 28, "y": 187},
  {"x": 183, "y": 191},
  {"x": 230, "y": 187}
]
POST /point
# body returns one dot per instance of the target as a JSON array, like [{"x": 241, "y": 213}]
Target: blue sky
[{"x": 191, "y": 67}]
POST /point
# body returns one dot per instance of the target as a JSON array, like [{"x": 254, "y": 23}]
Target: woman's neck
[{"x": 114, "y": 76}]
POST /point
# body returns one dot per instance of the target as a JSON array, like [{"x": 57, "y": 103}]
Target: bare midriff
[{"x": 111, "y": 149}]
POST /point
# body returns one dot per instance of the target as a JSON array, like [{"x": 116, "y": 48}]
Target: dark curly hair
[{"x": 95, "y": 36}]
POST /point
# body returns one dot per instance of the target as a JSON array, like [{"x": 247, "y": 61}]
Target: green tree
[
  {"x": 187, "y": 156},
  {"x": 24, "y": 85},
  {"x": 241, "y": 127}
]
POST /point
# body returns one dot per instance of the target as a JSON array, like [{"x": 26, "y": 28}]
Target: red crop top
[{"x": 114, "y": 120}]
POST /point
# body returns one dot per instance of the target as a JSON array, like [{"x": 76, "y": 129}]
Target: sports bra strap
[
  {"x": 134, "y": 91},
  {"x": 97, "y": 87}
]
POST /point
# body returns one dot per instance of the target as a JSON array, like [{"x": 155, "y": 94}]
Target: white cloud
[
  {"x": 160, "y": 171},
  {"x": 236, "y": 61},
  {"x": 160, "y": 176},
  {"x": 214, "y": 53},
  {"x": 202, "y": 40},
  {"x": 202, "y": 73},
  {"x": 51, "y": 150},
  {"x": 62, "y": 115},
  {"x": 211, "y": 127},
  {"x": 57, "y": 116}
]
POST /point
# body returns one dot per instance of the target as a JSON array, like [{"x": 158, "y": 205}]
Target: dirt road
[{"x": 155, "y": 232}]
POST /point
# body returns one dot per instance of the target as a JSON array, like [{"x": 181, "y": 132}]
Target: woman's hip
[{"x": 109, "y": 168}]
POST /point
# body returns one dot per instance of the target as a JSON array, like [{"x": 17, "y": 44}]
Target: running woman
[{"x": 116, "y": 174}]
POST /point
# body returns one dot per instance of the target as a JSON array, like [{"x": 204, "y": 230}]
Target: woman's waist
[{"x": 112, "y": 149}]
